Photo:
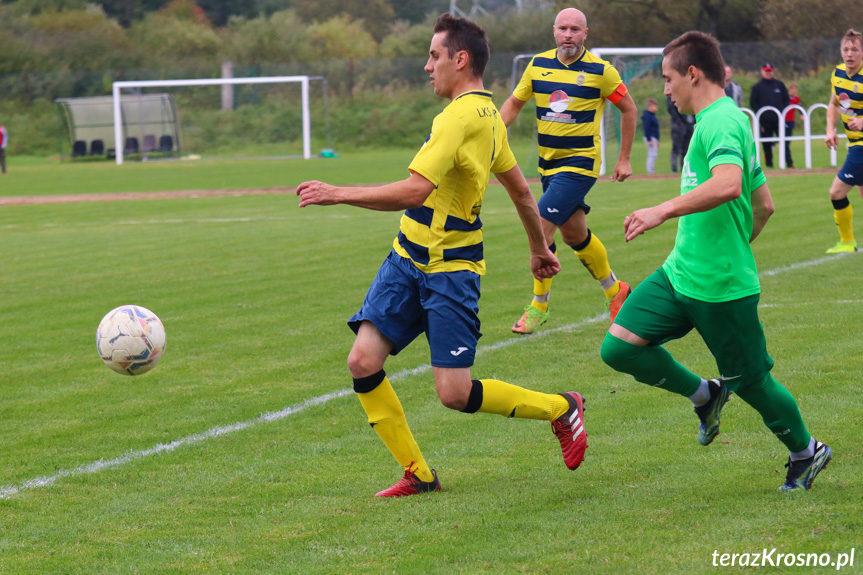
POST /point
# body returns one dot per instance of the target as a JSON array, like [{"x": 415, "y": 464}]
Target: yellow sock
[
  {"x": 594, "y": 257},
  {"x": 512, "y": 401},
  {"x": 541, "y": 289},
  {"x": 387, "y": 418},
  {"x": 844, "y": 220},
  {"x": 612, "y": 291}
]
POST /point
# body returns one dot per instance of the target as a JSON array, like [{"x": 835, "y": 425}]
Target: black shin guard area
[
  {"x": 474, "y": 401},
  {"x": 584, "y": 244},
  {"x": 841, "y": 204},
  {"x": 367, "y": 384}
]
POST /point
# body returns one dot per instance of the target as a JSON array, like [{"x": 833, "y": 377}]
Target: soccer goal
[
  {"x": 631, "y": 63},
  {"x": 134, "y": 90}
]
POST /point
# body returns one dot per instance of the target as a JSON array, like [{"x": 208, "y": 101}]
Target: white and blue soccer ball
[{"x": 131, "y": 340}]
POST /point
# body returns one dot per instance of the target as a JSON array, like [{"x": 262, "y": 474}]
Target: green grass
[
  {"x": 29, "y": 175},
  {"x": 254, "y": 293}
]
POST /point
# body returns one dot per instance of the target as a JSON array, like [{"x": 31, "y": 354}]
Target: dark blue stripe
[
  {"x": 565, "y": 142},
  {"x": 580, "y": 117},
  {"x": 572, "y": 162},
  {"x": 555, "y": 64},
  {"x": 850, "y": 139},
  {"x": 418, "y": 253},
  {"x": 844, "y": 74},
  {"x": 459, "y": 225},
  {"x": 421, "y": 215},
  {"x": 470, "y": 253},
  {"x": 573, "y": 91},
  {"x": 857, "y": 97},
  {"x": 548, "y": 63}
]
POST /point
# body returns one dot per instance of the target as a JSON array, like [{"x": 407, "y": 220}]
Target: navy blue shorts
[
  {"x": 403, "y": 302},
  {"x": 562, "y": 195},
  {"x": 851, "y": 172}
]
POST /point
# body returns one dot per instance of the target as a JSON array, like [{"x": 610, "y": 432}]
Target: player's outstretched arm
[
  {"x": 628, "y": 122},
  {"x": 409, "y": 193},
  {"x": 543, "y": 263},
  {"x": 762, "y": 209},
  {"x": 725, "y": 184}
]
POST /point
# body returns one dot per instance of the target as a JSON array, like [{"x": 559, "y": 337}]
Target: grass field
[
  {"x": 245, "y": 452},
  {"x": 30, "y": 176}
]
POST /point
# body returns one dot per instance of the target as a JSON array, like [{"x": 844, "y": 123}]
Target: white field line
[
  {"x": 10, "y": 490},
  {"x": 307, "y": 215}
]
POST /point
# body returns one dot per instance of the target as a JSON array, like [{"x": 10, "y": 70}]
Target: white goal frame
[
  {"x": 606, "y": 54},
  {"x": 302, "y": 80}
]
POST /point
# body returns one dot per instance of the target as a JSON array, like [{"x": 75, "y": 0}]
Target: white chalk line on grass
[
  {"x": 102, "y": 464},
  {"x": 307, "y": 215},
  {"x": 807, "y": 264},
  {"x": 10, "y": 490}
]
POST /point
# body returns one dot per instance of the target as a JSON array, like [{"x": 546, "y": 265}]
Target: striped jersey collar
[
  {"x": 576, "y": 61},
  {"x": 484, "y": 93}
]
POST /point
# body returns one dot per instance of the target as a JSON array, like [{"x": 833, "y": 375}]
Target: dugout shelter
[{"x": 151, "y": 126}]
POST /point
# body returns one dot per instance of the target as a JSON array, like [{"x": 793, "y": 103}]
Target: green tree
[
  {"x": 220, "y": 11},
  {"x": 341, "y": 38},
  {"x": 797, "y": 19},
  {"x": 21, "y": 7},
  {"x": 377, "y": 15},
  {"x": 78, "y": 39},
  {"x": 526, "y": 31},
  {"x": 281, "y": 37},
  {"x": 177, "y": 35},
  {"x": 656, "y": 22},
  {"x": 406, "y": 41},
  {"x": 417, "y": 11}
]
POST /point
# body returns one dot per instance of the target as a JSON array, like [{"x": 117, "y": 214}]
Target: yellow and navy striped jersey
[
  {"x": 849, "y": 92},
  {"x": 569, "y": 104},
  {"x": 468, "y": 141}
]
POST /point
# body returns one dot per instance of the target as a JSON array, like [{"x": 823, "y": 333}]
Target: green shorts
[{"x": 731, "y": 330}]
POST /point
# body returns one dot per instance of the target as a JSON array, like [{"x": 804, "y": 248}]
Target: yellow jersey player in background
[
  {"x": 430, "y": 281},
  {"x": 570, "y": 86},
  {"x": 846, "y": 101}
]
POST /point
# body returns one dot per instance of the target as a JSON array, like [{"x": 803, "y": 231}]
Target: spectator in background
[
  {"x": 3, "y": 139},
  {"x": 790, "y": 117},
  {"x": 682, "y": 126},
  {"x": 768, "y": 92},
  {"x": 650, "y": 125},
  {"x": 732, "y": 88}
]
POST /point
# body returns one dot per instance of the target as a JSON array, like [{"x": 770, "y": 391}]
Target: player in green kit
[{"x": 709, "y": 281}]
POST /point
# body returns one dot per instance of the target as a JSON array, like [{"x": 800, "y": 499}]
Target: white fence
[{"x": 805, "y": 117}]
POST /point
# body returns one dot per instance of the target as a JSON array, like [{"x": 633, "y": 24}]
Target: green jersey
[{"x": 712, "y": 260}]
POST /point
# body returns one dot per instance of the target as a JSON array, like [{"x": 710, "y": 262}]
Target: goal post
[{"x": 119, "y": 86}]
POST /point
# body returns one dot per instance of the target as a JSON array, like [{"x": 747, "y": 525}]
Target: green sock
[
  {"x": 779, "y": 410},
  {"x": 650, "y": 364}
]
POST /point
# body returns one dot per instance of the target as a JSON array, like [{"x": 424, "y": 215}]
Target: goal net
[
  {"x": 631, "y": 63},
  {"x": 255, "y": 117}
]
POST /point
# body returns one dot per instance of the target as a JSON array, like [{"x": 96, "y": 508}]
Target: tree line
[{"x": 77, "y": 35}]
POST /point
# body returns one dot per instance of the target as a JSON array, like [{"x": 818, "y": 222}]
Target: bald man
[{"x": 570, "y": 86}]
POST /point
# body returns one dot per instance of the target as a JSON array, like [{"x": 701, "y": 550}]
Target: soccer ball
[{"x": 130, "y": 340}]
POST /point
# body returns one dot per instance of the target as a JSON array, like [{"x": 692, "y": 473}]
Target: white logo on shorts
[
  {"x": 458, "y": 351},
  {"x": 553, "y": 210}
]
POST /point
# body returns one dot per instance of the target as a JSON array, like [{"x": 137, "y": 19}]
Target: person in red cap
[{"x": 768, "y": 91}]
